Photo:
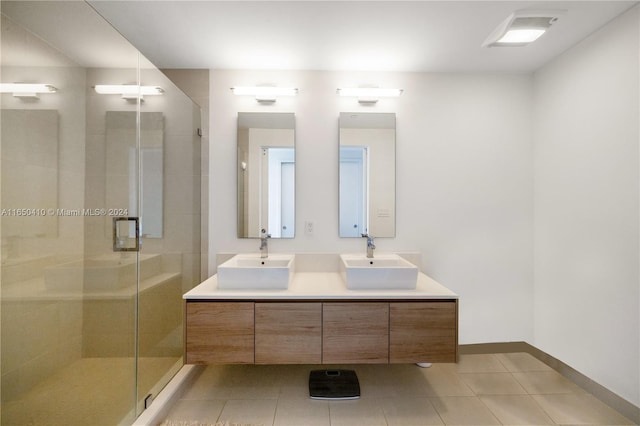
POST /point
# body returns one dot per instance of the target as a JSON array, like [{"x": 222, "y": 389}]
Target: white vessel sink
[
  {"x": 249, "y": 271},
  {"x": 386, "y": 271}
]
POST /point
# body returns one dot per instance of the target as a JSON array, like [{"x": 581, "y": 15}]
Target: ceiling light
[
  {"x": 26, "y": 90},
  {"x": 523, "y": 27},
  {"x": 521, "y": 36},
  {"x": 264, "y": 93},
  {"x": 128, "y": 91},
  {"x": 369, "y": 94}
]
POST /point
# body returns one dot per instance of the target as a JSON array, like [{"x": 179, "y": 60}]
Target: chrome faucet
[
  {"x": 370, "y": 245},
  {"x": 264, "y": 247}
]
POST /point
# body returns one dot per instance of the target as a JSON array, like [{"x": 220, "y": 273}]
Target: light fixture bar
[
  {"x": 128, "y": 90},
  {"x": 26, "y": 90}
]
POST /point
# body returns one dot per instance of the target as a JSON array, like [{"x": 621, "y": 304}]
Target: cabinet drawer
[
  {"x": 423, "y": 332},
  {"x": 288, "y": 333},
  {"x": 355, "y": 333},
  {"x": 220, "y": 333}
]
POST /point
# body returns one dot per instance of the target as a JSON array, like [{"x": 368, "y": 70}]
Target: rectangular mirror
[
  {"x": 30, "y": 153},
  {"x": 122, "y": 157},
  {"x": 367, "y": 174},
  {"x": 266, "y": 175}
]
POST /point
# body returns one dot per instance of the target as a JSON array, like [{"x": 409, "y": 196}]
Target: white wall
[
  {"x": 464, "y": 181},
  {"x": 586, "y": 207}
]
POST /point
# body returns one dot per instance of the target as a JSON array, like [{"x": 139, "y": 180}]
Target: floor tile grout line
[
  {"x": 489, "y": 409},
  {"x": 501, "y": 363},
  {"x": 437, "y": 412},
  {"x": 528, "y": 395},
  {"x": 543, "y": 410},
  {"x": 275, "y": 410},
  {"x": 384, "y": 415},
  {"x": 222, "y": 410},
  {"x": 519, "y": 384}
]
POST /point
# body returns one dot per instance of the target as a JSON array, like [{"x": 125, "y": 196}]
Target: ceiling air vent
[{"x": 523, "y": 27}]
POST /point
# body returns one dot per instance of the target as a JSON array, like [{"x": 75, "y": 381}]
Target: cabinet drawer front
[
  {"x": 423, "y": 332},
  {"x": 220, "y": 332},
  {"x": 355, "y": 332},
  {"x": 288, "y": 333}
]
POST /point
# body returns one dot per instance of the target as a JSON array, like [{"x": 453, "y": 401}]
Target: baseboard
[
  {"x": 494, "y": 348},
  {"x": 624, "y": 407}
]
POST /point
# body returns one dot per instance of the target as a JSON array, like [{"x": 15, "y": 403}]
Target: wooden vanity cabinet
[
  {"x": 219, "y": 333},
  {"x": 288, "y": 333},
  {"x": 423, "y": 331},
  {"x": 355, "y": 332},
  {"x": 321, "y": 332}
]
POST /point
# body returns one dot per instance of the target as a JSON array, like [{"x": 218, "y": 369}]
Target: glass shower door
[
  {"x": 68, "y": 303},
  {"x": 169, "y": 207},
  {"x": 89, "y": 334}
]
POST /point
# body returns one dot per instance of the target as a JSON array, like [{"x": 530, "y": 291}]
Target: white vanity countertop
[{"x": 320, "y": 285}]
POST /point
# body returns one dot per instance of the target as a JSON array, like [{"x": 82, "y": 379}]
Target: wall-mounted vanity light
[
  {"x": 264, "y": 94},
  {"x": 369, "y": 95},
  {"x": 522, "y": 27},
  {"x": 128, "y": 91},
  {"x": 26, "y": 90}
]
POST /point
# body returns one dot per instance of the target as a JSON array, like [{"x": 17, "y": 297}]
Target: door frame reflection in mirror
[
  {"x": 266, "y": 174},
  {"x": 367, "y": 153}
]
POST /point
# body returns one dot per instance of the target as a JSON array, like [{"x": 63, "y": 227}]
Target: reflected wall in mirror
[
  {"x": 266, "y": 175},
  {"x": 367, "y": 174},
  {"x": 123, "y": 161},
  {"x": 30, "y": 163}
]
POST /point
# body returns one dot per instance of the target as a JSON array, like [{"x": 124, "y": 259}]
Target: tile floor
[{"x": 493, "y": 389}]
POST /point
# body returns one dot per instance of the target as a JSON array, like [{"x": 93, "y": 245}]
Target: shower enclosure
[{"x": 100, "y": 223}]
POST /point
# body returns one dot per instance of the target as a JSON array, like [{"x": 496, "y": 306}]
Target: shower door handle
[{"x": 126, "y": 234}]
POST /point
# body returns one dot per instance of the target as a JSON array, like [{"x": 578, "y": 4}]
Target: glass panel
[
  {"x": 68, "y": 302},
  {"x": 170, "y": 211},
  {"x": 94, "y": 330}
]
